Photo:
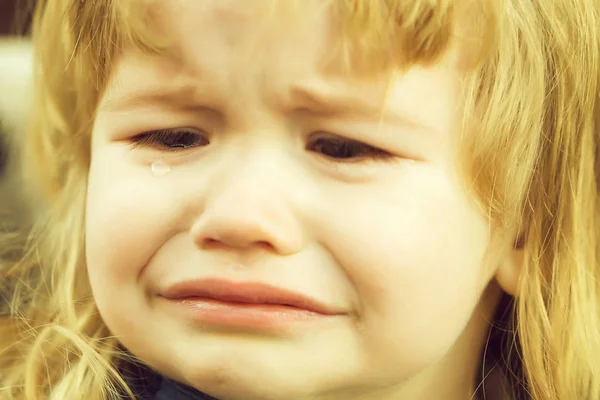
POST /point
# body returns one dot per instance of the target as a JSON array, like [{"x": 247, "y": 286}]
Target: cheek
[
  {"x": 127, "y": 219},
  {"x": 414, "y": 254},
  {"x": 119, "y": 234}
]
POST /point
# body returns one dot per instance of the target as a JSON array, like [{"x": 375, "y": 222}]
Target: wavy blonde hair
[{"x": 531, "y": 157}]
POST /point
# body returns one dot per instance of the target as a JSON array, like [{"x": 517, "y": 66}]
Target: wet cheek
[{"x": 126, "y": 222}]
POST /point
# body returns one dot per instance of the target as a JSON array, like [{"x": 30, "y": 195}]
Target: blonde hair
[{"x": 531, "y": 156}]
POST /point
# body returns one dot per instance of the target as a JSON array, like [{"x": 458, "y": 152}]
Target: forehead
[
  {"x": 362, "y": 36},
  {"x": 238, "y": 45},
  {"x": 251, "y": 29}
]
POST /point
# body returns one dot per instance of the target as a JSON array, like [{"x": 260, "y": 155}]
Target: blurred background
[
  {"x": 15, "y": 97},
  {"x": 14, "y": 16},
  {"x": 7, "y": 10}
]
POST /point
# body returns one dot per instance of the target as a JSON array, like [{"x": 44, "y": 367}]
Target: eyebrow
[
  {"x": 174, "y": 96},
  {"x": 328, "y": 103},
  {"x": 309, "y": 100}
]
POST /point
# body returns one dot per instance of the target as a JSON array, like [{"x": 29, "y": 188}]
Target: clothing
[
  {"x": 149, "y": 385},
  {"x": 170, "y": 390}
]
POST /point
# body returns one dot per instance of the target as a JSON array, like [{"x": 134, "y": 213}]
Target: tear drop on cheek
[{"x": 160, "y": 169}]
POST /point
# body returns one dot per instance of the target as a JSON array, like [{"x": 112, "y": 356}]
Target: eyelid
[
  {"x": 401, "y": 145},
  {"x": 372, "y": 154},
  {"x": 150, "y": 138},
  {"x": 167, "y": 131}
]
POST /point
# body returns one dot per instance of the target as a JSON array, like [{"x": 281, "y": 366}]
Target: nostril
[
  {"x": 211, "y": 242},
  {"x": 265, "y": 245}
]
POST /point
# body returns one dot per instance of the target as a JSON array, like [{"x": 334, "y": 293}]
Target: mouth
[{"x": 245, "y": 305}]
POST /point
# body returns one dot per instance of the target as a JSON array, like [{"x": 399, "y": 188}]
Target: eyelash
[
  {"x": 348, "y": 150},
  {"x": 330, "y": 146},
  {"x": 169, "y": 139}
]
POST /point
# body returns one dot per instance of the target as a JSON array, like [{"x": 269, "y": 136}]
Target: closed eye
[
  {"x": 341, "y": 149},
  {"x": 331, "y": 146},
  {"x": 170, "y": 139}
]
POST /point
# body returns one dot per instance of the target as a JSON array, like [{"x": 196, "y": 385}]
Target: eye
[
  {"x": 346, "y": 150},
  {"x": 170, "y": 139}
]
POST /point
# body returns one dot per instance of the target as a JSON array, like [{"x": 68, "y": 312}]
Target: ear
[{"x": 509, "y": 270}]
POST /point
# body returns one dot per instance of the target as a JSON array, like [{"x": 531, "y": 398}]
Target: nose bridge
[
  {"x": 251, "y": 203},
  {"x": 255, "y": 172}
]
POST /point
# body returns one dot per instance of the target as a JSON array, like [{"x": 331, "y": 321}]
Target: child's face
[{"x": 365, "y": 216}]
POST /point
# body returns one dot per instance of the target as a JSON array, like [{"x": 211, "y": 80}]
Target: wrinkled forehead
[{"x": 284, "y": 53}]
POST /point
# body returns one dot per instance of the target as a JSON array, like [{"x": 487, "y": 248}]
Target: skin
[{"x": 394, "y": 244}]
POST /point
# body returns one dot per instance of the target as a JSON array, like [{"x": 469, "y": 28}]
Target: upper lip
[{"x": 245, "y": 292}]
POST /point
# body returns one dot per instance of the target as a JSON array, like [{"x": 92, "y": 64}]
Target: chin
[{"x": 225, "y": 387}]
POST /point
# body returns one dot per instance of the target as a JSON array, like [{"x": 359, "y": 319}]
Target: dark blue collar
[
  {"x": 149, "y": 385},
  {"x": 170, "y": 390}
]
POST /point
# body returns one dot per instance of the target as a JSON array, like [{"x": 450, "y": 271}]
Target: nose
[{"x": 249, "y": 208}]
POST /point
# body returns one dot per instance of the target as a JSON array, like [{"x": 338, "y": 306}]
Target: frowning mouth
[{"x": 245, "y": 304}]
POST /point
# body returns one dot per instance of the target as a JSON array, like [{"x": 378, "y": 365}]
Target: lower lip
[{"x": 243, "y": 315}]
